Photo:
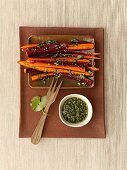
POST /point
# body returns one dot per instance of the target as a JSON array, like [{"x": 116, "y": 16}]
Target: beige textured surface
[{"x": 61, "y": 154}]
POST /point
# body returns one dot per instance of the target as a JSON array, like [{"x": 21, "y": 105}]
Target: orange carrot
[
  {"x": 55, "y": 69},
  {"x": 80, "y": 46},
  {"x": 93, "y": 68},
  {"x": 91, "y": 57},
  {"x": 38, "y": 76},
  {"x": 47, "y": 65},
  {"x": 62, "y": 59},
  {"x": 82, "y": 57},
  {"x": 29, "y": 46}
]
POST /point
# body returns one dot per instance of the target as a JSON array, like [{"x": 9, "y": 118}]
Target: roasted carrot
[
  {"x": 37, "y": 49},
  {"x": 93, "y": 68},
  {"x": 80, "y": 78},
  {"x": 40, "y": 76},
  {"x": 78, "y": 52},
  {"x": 29, "y": 46},
  {"x": 66, "y": 67},
  {"x": 84, "y": 46},
  {"x": 63, "y": 59},
  {"x": 73, "y": 52},
  {"x": 78, "y": 57},
  {"x": 55, "y": 69},
  {"x": 52, "y": 51},
  {"x": 30, "y": 70},
  {"x": 79, "y": 46},
  {"x": 42, "y": 53},
  {"x": 67, "y": 60},
  {"x": 91, "y": 57}
]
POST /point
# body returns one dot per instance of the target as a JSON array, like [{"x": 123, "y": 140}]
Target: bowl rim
[{"x": 90, "y": 110}]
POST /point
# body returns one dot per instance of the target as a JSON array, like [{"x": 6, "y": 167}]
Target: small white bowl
[{"x": 84, "y": 122}]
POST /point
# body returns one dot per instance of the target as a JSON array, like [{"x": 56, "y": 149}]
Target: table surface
[{"x": 61, "y": 154}]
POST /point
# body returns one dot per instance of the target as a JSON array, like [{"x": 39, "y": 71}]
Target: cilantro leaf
[
  {"x": 34, "y": 102},
  {"x": 38, "y": 103}
]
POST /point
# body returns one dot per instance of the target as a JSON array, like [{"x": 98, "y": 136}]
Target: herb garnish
[
  {"x": 75, "y": 41},
  {"x": 82, "y": 76},
  {"x": 50, "y": 42},
  {"x": 79, "y": 57},
  {"x": 40, "y": 44},
  {"x": 57, "y": 62},
  {"x": 39, "y": 76},
  {"x": 58, "y": 75},
  {"x": 79, "y": 83},
  {"x": 74, "y": 61},
  {"x": 54, "y": 56},
  {"x": 38, "y": 103},
  {"x": 70, "y": 72},
  {"x": 89, "y": 71}
]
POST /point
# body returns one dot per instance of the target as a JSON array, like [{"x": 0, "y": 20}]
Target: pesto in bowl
[{"x": 74, "y": 110}]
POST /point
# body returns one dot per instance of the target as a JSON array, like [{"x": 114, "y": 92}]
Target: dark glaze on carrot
[
  {"x": 58, "y": 59},
  {"x": 84, "y": 80},
  {"x": 35, "y": 49}
]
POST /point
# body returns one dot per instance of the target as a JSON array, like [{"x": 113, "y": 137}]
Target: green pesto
[{"x": 74, "y": 110}]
